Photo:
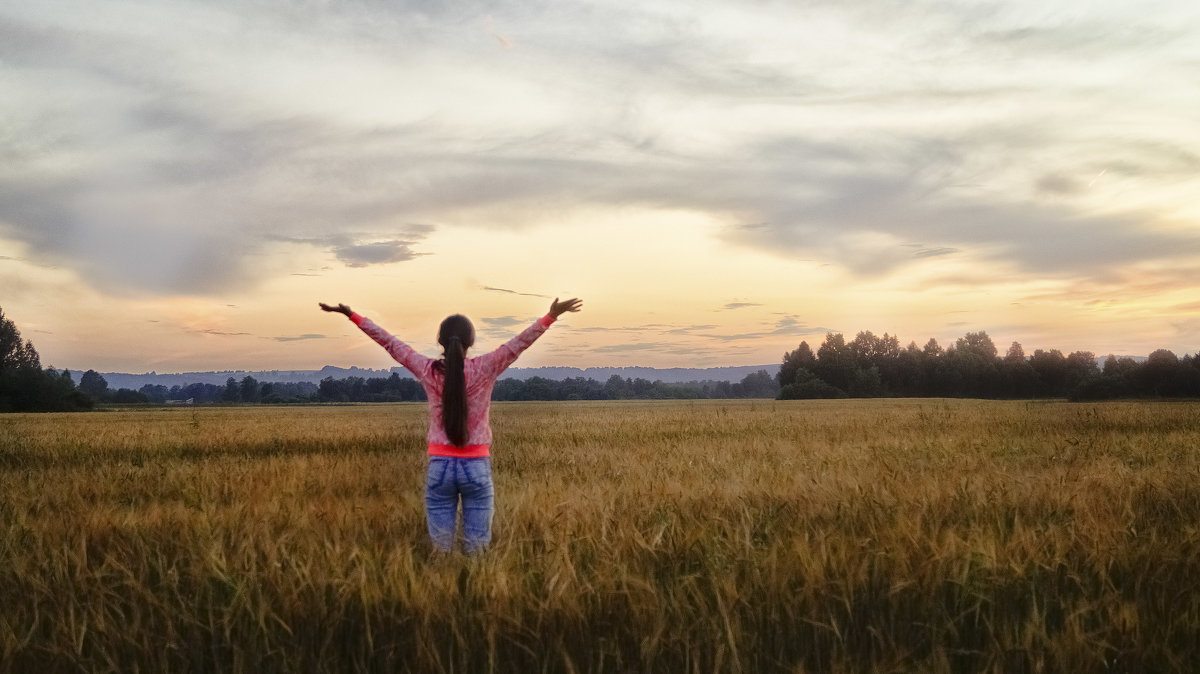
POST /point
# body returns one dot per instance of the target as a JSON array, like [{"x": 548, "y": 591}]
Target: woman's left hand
[{"x": 559, "y": 308}]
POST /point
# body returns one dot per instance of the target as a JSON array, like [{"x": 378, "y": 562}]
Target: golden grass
[{"x": 751, "y": 536}]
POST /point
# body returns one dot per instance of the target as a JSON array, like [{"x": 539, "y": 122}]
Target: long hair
[{"x": 455, "y": 335}]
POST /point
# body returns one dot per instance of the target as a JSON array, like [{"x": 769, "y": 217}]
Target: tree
[
  {"x": 1051, "y": 369},
  {"x": 233, "y": 392},
  {"x": 15, "y": 355},
  {"x": 759, "y": 385},
  {"x": 910, "y": 377},
  {"x": 1017, "y": 378},
  {"x": 156, "y": 393},
  {"x": 871, "y": 350},
  {"x": 1119, "y": 366},
  {"x": 932, "y": 350},
  {"x": 93, "y": 384},
  {"x": 978, "y": 343},
  {"x": 248, "y": 390},
  {"x": 794, "y": 361},
  {"x": 127, "y": 396},
  {"x": 24, "y": 386},
  {"x": 1161, "y": 374},
  {"x": 835, "y": 362},
  {"x": 1016, "y": 353},
  {"x": 1081, "y": 366}
]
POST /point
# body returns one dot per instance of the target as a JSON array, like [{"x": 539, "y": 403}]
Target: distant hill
[{"x": 673, "y": 375}]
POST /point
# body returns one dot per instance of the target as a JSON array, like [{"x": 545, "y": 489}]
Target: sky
[{"x": 182, "y": 181}]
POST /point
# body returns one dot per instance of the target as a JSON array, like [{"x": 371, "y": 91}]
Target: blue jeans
[{"x": 449, "y": 478}]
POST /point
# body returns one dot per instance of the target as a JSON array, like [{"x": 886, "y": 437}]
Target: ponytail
[
  {"x": 456, "y": 335},
  {"x": 454, "y": 394}
]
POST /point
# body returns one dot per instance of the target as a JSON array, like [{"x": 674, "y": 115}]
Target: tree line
[
  {"x": 867, "y": 366},
  {"x": 870, "y": 366},
  {"x": 398, "y": 389},
  {"x": 754, "y": 385}
]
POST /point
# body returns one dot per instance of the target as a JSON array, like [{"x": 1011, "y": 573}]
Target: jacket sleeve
[
  {"x": 403, "y": 353},
  {"x": 492, "y": 364}
]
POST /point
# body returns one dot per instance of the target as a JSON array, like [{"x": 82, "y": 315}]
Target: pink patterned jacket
[{"x": 481, "y": 374}]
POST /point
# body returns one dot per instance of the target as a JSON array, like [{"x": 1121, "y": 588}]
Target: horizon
[
  {"x": 396, "y": 367},
  {"x": 183, "y": 181}
]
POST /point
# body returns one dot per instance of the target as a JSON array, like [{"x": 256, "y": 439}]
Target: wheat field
[{"x": 707, "y": 536}]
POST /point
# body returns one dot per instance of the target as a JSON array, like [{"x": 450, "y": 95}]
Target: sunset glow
[{"x": 183, "y": 181}]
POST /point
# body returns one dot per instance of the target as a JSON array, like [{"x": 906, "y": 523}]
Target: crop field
[{"x": 709, "y": 536}]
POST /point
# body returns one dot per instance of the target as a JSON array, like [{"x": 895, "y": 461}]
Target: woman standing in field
[{"x": 459, "y": 390}]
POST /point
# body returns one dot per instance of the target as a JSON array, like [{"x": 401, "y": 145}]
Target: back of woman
[{"x": 459, "y": 390}]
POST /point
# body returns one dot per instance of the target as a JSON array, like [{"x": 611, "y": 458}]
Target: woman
[{"x": 459, "y": 390}]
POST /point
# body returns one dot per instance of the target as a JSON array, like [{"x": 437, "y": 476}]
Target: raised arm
[
  {"x": 403, "y": 353},
  {"x": 492, "y": 364}
]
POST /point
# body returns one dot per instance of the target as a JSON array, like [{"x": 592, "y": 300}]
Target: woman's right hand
[{"x": 341, "y": 308}]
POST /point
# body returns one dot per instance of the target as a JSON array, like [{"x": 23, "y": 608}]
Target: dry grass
[{"x": 753, "y": 536}]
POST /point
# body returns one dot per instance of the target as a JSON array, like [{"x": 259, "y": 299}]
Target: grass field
[{"x": 752, "y": 536}]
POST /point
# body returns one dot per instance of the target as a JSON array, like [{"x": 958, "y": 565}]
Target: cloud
[
  {"x": 641, "y": 346},
  {"x": 299, "y": 338},
  {"x": 934, "y": 252},
  {"x": 1187, "y": 332},
  {"x": 221, "y": 333},
  {"x": 380, "y": 252},
  {"x": 740, "y": 305},
  {"x": 791, "y": 325},
  {"x": 503, "y": 321},
  {"x": 689, "y": 329},
  {"x": 736, "y": 337},
  {"x": 514, "y": 292},
  {"x": 150, "y": 159},
  {"x": 1057, "y": 184},
  {"x": 650, "y": 327}
]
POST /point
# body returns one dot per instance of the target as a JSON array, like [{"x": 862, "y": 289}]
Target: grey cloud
[
  {"x": 1057, "y": 184},
  {"x": 642, "y": 346},
  {"x": 382, "y": 252},
  {"x": 791, "y": 325},
  {"x": 788, "y": 325},
  {"x": 222, "y": 333},
  {"x": 736, "y": 337},
  {"x": 934, "y": 252},
  {"x": 1079, "y": 39},
  {"x": 502, "y": 321},
  {"x": 193, "y": 222},
  {"x": 740, "y": 305},
  {"x": 652, "y": 327},
  {"x": 300, "y": 338},
  {"x": 687, "y": 330},
  {"x": 896, "y": 191}
]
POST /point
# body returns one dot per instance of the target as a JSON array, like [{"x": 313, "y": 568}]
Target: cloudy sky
[{"x": 182, "y": 181}]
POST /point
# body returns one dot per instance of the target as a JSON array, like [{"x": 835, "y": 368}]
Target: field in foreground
[{"x": 756, "y": 536}]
